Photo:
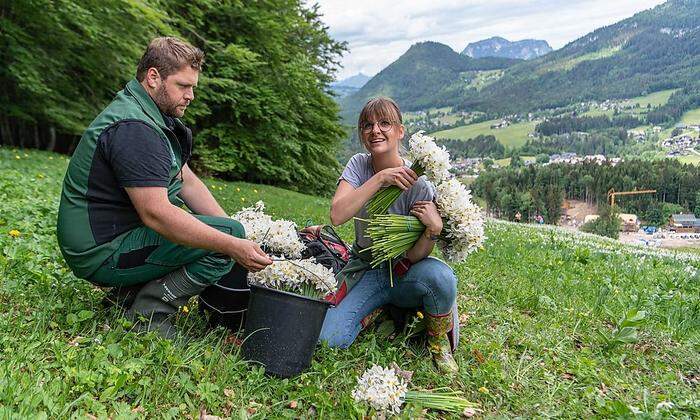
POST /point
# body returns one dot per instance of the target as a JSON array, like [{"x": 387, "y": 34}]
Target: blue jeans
[{"x": 429, "y": 283}]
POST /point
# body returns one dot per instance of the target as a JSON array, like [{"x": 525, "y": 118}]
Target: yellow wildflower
[
  {"x": 419, "y": 314},
  {"x": 26, "y": 155},
  {"x": 185, "y": 309},
  {"x": 255, "y": 191},
  {"x": 14, "y": 233},
  {"x": 17, "y": 157},
  {"x": 50, "y": 157},
  {"x": 484, "y": 390},
  {"x": 242, "y": 198},
  {"x": 238, "y": 189}
]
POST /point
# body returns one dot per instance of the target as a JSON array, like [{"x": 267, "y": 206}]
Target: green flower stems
[
  {"x": 449, "y": 401},
  {"x": 384, "y": 198}
]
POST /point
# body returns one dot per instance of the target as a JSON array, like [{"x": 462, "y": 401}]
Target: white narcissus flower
[
  {"x": 279, "y": 237},
  {"x": 381, "y": 388},
  {"x": 463, "y": 230},
  {"x": 435, "y": 160},
  {"x": 305, "y": 277}
]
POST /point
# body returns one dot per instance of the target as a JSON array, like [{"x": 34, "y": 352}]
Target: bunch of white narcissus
[
  {"x": 464, "y": 224},
  {"x": 254, "y": 220},
  {"x": 277, "y": 236},
  {"x": 283, "y": 239},
  {"x": 381, "y": 388},
  {"x": 305, "y": 277},
  {"x": 433, "y": 159}
]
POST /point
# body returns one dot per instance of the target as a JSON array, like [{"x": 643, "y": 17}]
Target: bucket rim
[{"x": 292, "y": 294}]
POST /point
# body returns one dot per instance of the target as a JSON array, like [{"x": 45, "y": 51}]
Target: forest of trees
[
  {"x": 562, "y": 125},
  {"x": 538, "y": 189},
  {"x": 479, "y": 146},
  {"x": 262, "y": 110}
]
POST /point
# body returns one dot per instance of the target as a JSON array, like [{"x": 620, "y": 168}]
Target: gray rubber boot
[{"x": 159, "y": 299}]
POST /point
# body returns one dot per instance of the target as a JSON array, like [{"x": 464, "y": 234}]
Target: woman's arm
[
  {"x": 347, "y": 200},
  {"x": 427, "y": 213}
]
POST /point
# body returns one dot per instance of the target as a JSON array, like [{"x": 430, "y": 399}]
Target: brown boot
[{"x": 439, "y": 344}]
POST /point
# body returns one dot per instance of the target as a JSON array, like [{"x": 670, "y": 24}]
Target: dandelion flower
[{"x": 14, "y": 233}]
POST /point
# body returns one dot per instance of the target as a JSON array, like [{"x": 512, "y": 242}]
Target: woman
[{"x": 429, "y": 283}]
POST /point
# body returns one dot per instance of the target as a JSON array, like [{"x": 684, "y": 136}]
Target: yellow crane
[{"x": 612, "y": 194}]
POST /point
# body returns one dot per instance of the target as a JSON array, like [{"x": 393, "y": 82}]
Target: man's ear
[{"x": 153, "y": 78}]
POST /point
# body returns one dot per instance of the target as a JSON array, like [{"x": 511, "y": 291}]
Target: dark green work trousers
[{"x": 144, "y": 255}]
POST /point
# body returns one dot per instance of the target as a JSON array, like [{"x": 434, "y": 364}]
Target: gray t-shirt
[{"x": 359, "y": 170}]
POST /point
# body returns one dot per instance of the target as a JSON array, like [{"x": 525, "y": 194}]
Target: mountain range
[
  {"x": 501, "y": 47},
  {"x": 349, "y": 85},
  {"x": 653, "y": 50}
]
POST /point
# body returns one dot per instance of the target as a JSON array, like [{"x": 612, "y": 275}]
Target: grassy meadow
[
  {"x": 554, "y": 324},
  {"x": 513, "y": 136}
]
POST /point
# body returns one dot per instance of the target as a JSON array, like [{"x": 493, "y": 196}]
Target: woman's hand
[
  {"x": 401, "y": 176},
  {"x": 427, "y": 213}
]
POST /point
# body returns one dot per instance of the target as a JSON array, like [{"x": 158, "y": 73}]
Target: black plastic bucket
[
  {"x": 282, "y": 330},
  {"x": 226, "y": 302}
]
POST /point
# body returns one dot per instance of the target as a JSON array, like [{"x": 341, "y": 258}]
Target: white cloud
[{"x": 379, "y": 31}]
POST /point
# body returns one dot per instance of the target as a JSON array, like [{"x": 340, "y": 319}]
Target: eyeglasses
[{"x": 384, "y": 126}]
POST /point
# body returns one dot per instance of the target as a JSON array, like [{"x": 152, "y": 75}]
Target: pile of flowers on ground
[
  {"x": 304, "y": 277},
  {"x": 428, "y": 159},
  {"x": 385, "y": 391},
  {"x": 278, "y": 237}
]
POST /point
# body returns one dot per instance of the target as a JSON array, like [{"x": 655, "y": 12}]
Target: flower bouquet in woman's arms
[
  {"x": 463, "y": 230},
  {"x": 278, "y": 237},
  {"x": 386, "y": 390},
  {"x": 428, "y": 159}
]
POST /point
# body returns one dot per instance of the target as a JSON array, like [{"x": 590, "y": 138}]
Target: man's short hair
[{"x": 168, "y": 55}]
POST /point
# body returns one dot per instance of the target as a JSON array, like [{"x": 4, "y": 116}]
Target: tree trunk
[
  {"x": 52, "y": 139},
  {"x": 37, "y": 142}
]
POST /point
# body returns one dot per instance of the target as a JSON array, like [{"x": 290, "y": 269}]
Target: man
[{"x": 120, "y": 221}]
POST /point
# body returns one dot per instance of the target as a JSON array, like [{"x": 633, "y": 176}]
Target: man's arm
[
  {"x": 178, "y": 226},
  {"x": 197, "y": 196}
]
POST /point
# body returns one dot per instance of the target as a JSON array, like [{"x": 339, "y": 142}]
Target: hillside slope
[
  {"x": 652, "y": 50},
  {"x": 541, "y": 316},
  {"x": 426, "y": 74}
]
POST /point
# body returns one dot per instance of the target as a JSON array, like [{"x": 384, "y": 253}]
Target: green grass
[
  {"x": 540, "y": 308},
  {"x": 506, "y": 161},
  {"x": 513, "y": 136},
  {"x": 654, "y": 99},
  {"x": 573, "y": 62},
  {"x": 693, "y": 159},
  {"x": 691, "y": 117}
]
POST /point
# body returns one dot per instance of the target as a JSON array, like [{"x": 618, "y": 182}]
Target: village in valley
[{"x": 515, "y": 131}]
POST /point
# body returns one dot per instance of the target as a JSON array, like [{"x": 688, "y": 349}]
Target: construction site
[{"x": 682, "y": 230}]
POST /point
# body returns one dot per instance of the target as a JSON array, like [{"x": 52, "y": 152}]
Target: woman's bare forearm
[
  {"x": 343, "y": 208},
  {"x": 421, "y": 249}
]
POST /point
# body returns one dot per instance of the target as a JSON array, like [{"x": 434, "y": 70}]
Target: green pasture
[
  {"x": 553, "y": 325},
  {"x": 691, "y": 117},
  {"x": 513, "y": 136}
]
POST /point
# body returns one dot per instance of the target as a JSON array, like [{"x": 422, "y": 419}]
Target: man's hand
[{"x": 249, "y": 255}]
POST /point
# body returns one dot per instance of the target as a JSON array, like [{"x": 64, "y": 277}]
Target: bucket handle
[{"x": 217, "y": 310}]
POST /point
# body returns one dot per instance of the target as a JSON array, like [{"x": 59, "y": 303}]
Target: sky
[{"x": 379, "y": 31}]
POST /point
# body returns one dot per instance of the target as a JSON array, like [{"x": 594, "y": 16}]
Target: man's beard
[{"x": 166, "y": 105}]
